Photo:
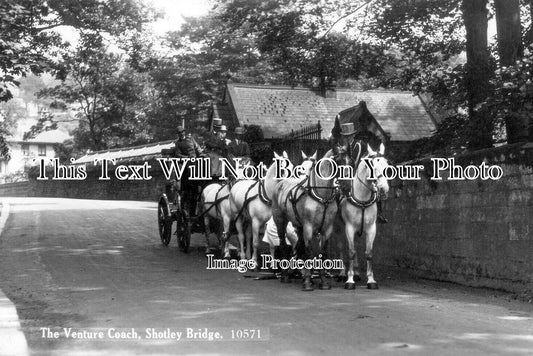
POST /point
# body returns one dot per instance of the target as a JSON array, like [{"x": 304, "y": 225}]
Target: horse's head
[
  {"x": 308, "y": 162},
  {"x": 379, "y": 164},
  {"x": 283, "y": 156}
]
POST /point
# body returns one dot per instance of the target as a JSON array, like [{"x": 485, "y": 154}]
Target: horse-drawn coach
[{"x": 310, "y": 203}]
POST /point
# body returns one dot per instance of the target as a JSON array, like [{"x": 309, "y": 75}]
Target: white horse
[
  {"x": 251, "y": 200},
  {"x": 359, "y": 210},
  {"x": 215, "y": 205},
  {"x": 310, "y": 205}
]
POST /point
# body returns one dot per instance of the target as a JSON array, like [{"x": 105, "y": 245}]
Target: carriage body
[{"x": 171, "y": 208}]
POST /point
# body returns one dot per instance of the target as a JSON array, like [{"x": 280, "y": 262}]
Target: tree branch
[
  {"x": 367, "y": 2},
  {"x": 44, "y": 28}
]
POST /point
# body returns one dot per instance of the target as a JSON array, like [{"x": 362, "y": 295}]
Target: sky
[{"x": 175, "y": 10}]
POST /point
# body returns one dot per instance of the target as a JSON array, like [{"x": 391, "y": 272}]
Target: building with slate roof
[
  {"x": 400, "y": 115},
  {"x": 393, "y": 115}
]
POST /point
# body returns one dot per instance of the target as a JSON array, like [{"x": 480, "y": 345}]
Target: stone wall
[
  {"x": 477, "y": 232},
  {"x": 93, "y": 187},
  {"x": 18, "y": 189}
]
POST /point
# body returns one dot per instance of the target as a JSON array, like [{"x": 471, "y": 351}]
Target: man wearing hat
[
  {"x": 185, "y": 145},
  {"x": 237, "y": 147},
  {"x": 217, "y": 123},
  {"x": 218, "y": 143},
  {"x": 217, "y": 146},
  {"x": 356, "y": 143}
]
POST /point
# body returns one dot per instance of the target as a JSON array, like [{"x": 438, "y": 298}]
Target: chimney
[
  {"x": 328, "y": 88},
  {"x": 330, "y": 92}
]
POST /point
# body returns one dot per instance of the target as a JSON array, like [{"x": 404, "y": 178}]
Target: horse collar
[{"x": 363, "y": 204}]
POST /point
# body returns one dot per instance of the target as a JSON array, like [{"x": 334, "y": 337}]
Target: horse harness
[
  {"x": 261, "y": 193},
  {"x": 294, "y": 198},
  {"x": 217, "y": 199},
  {"x": 359, "y": 203}
]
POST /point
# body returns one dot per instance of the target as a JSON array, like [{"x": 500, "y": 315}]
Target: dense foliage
[{"x": 131, "y": 88}]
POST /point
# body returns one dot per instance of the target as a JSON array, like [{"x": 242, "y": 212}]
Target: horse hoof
[
  {"x": 372, "y": 286},
  {"x": 285, "y": 279},
  {"x": 349, "y": 286},
  {"x": 357, "y": 278},
  {"x": 324, "y": 286},
  {"x": 307, "y": 287}
]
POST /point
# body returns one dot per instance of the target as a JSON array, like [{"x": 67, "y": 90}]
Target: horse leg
[
  {"x": 248, "y": 240},
  {"x": 224, "y": 227},
  {"x": 349, "y": 229},
  {"x": 370, "y": 235},
  {"x": 356, "y": 267},
  {"x": 256, "y": 226},
  {"x": 206, "y": 233},
  {"x": 307, "y": 236},
  {"x": 240, "y": 231},
  {"x": 341, "y": 276},
  {"x": 324, "y": 238},
  {"x": 225, "y": 238},
  {"x": 226, "y": 221}
]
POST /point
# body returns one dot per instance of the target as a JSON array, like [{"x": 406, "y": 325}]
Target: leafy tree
[
  {"x": 204, "y": 54},
  {"x": 511, "y": 103},
  {"x": 295, "y": 38},
  {"x": 475, "y": 15},
  {"x": 105, "y": 91},
  {"x": 253, "y": 134},
  {"x": 30, "y": 40},
  {"x": 510, "y": 50},
  {"x": 259, "y": 42}
]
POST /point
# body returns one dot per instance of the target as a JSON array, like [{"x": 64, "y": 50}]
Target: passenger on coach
[
  {"x": 237, "y": 147},
  {"x": 218, "y": 143},
  {"x": 217, "y": 146}
]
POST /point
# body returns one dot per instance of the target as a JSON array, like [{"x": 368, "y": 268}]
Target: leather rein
[{"x": 310, "y": 190}]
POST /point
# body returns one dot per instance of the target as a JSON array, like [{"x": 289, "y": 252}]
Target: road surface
[{"x": 91, "y": 277}]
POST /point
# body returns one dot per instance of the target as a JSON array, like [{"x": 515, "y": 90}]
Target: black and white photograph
[{"x": 266, "y": 177}]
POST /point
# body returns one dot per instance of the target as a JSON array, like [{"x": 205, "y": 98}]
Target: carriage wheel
[
  {"x": 164, "y": 220},
  {"x": 183, "y": 232}
]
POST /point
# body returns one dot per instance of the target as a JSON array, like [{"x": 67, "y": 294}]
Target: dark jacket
[
  {"x": 240, "y": 149},
  {"x": 217, "y": 145},
  {"x": 187, "y": 148}
]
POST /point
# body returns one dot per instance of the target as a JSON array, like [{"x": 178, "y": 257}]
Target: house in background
[
  {"x": 398, "y": 115},
  {"x": 24, "y": 152}
]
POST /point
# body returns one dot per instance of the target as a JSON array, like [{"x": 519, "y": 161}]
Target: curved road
[{"x": 89, "y": 268}]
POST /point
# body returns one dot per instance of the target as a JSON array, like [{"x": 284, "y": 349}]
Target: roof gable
[{"x": 51, "y": 136}]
